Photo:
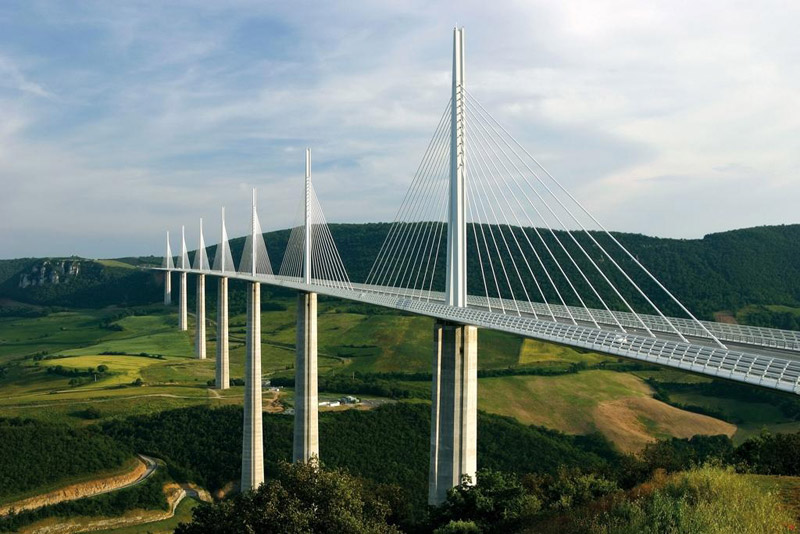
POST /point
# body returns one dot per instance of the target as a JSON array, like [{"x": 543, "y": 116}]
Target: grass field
[
  {"x": 534, "y": 351},
  {"x": 787, "y": 488},
  {"x": 116, "y": 263},
  {"x": 57, "y": 331},
  {"x": 121, "y": 369}
]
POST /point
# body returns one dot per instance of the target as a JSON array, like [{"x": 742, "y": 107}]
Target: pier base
[
  {"x": 454, "y": 408},
  {"x": 223, "y": 374},
  {"x": 306, "y": 405},
  {"x": 183, "y": 320},
  {"x": 253, "y": 439},
  {"x": 200, "y": 341},
  {"x": 167, "y": 288}
]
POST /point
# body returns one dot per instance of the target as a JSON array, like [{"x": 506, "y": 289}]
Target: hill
[{"x": 76, "y": 283}]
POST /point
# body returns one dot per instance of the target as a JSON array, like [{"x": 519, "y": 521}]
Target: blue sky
[{"x": 119, "y": 120}]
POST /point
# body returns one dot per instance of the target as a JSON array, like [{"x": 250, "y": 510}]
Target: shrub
[
  {"x": 91, "y": 413},
  {"x": 458, "y": 527},
  {"x": 705, "y": 499},
  {"x": 497, "y": 502}
]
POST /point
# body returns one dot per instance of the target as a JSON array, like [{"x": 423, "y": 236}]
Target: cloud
[
  {"x": 123, "y": 119},
  {"x": 12, "y": 78}
]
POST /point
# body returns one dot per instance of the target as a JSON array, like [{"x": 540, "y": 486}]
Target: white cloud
[{"x": 11, "y": 77}]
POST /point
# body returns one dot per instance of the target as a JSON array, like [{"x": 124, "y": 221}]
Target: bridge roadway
[{"x": 761, "y": 356}]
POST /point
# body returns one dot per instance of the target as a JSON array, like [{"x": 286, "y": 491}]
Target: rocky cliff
[{"x": 50, "y": 272}]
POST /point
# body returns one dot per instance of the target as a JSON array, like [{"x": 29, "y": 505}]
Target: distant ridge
[{"x": 721, "y": 271}]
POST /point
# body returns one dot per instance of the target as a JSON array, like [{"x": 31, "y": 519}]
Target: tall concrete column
[
  {"x": 183, "y": 320},
  {"x": 306, "y": 403},
  {"x": 200, "y": 342},
  {"x": 253, "y": 440},
  {"x": 223, "y": 378},
  {"x": 167, "y": 288},
  {"x": 454, "y": 408}
]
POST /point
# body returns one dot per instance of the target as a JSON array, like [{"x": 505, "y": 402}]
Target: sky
[{"x": 122, "y": 120}]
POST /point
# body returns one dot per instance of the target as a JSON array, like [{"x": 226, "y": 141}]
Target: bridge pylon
[
  {"x": 454, "y": 391},
  {"x": 222, "y": 262},
  {"x": 201, "y": 263},
  {"x": 306, "y": 416},
  {"x": 183, "y": 319},
  {"x": 253, "y": 438}
]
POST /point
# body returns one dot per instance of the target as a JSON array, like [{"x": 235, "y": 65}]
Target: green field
[
  {"x": 533, "y": 351},
  {"x": 351, "y": 339},
  {"x": 57, "y": 331},
  {"x": 116, "y": 263}
]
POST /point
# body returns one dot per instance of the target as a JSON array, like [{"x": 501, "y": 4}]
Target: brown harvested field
[
  {"x": 632, "y": 423},
  {"x": 619, "y": 405}
]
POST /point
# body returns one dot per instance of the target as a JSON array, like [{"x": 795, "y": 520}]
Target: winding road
[{"x": 89, "y": 488}]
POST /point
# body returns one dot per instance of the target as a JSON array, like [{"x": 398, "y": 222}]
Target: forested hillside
[
  {"x": 724, "y": 271},
  {"x": 94, "y": 284}
]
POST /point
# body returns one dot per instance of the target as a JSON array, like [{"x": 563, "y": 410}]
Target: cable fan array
[
  {"x": 412, "y": 255},
  {"x": 183, "y": 259},
  {"x": 327, "y": 268},
  {"x": 255, "y": 259},
  {"x": 168, "y": 262},
  {"x": 201, "y": 255},
  {"x": 532, "y": 247},
  {"x": 223, "y": 258}
]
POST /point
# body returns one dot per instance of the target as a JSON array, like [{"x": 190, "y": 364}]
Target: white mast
[
  {"x": 253, "y": 240},
  {"x": 456, "y": 283},
  {"x": 184, "y": 253},
  {"x": 307, "y": 246}
]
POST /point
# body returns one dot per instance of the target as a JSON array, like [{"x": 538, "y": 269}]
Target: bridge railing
[{"x": 744, "y": 334}]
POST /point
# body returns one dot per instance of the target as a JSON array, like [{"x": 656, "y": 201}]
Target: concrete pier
[
  {"x": 167, "y": 288},
  {"x": 200, "y": 342},
  {"x": 253, "y": 440},
  {"x": 223, "y": 377},
  {"x": 306, "y": 404},
  {"x": 454, "y": 408},
  {"x": 183, "y": 320}
]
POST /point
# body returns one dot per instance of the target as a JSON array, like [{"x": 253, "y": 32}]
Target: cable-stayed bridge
[{"x": 485, "y": 237}]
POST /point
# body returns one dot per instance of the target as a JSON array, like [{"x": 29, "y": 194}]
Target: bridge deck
[{"x": 754, "y": 355}]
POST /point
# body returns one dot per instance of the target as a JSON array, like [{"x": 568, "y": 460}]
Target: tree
[
  {"x": 498, "y": 502},
  {"x": 304, "y": 498}
]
